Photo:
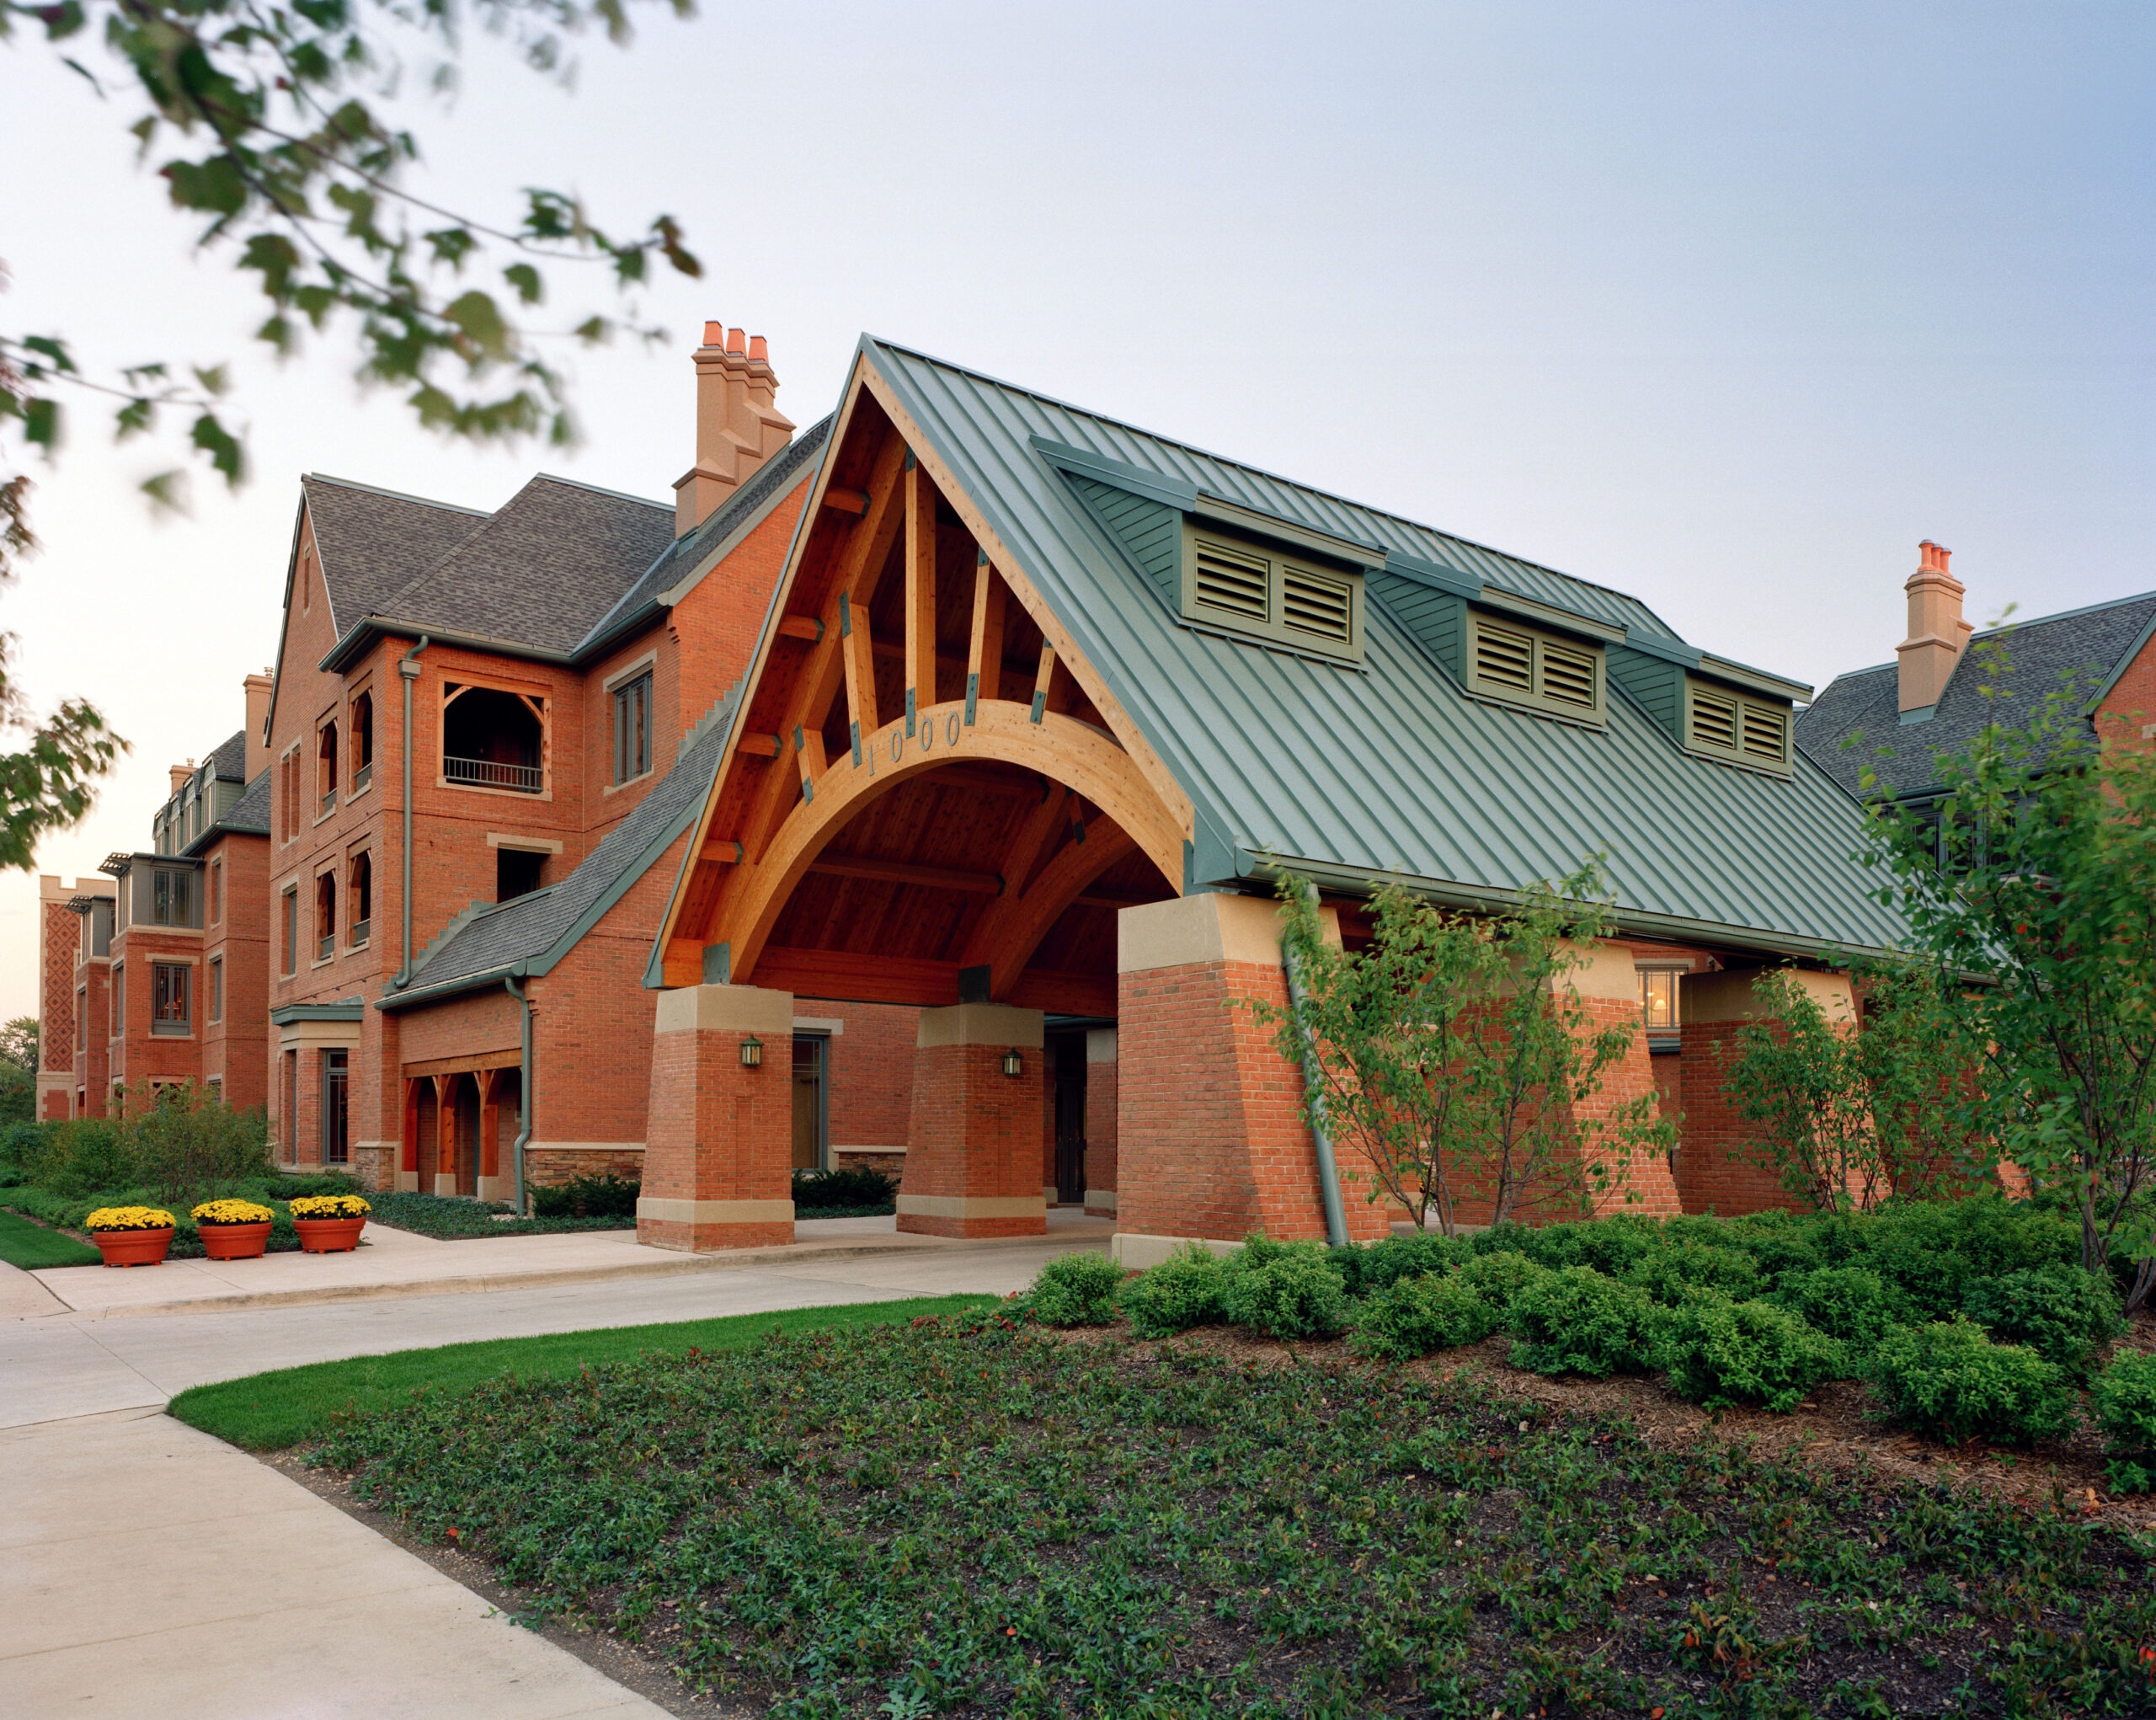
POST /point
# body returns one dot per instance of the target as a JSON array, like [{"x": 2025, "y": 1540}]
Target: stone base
[
  {"x": 497, "y": 1188},
  {"x": 445, "y": 1184},
  {"x": 973, "y": 1215},
  {"x": 407, "y": 1182},
  {"x": 1100, "y": 1203},
  {"x": 1134, "y": 1253},
  {"x": 712, "y": 1226}
]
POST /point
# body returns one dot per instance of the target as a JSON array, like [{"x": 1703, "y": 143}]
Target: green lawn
[
  {"x": 292, "y": 1406},
  {"x": 30, "y": 1246}
]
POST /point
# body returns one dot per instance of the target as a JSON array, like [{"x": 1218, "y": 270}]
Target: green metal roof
[{"x": 1391, "y": 770}]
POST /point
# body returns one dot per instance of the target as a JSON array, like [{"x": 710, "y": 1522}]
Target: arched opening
[
  {"x": 362, "y": 741},
  {"x": 493, "y": 740},
  {"x": 362, "y": 899},
  {"x": 325, "y": 767},
  {"x": 325, "y": 916}
]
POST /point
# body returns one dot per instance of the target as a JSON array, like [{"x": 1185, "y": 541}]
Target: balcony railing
[
  {"x": 329, "y": 802},
  {"x": 485, "y": 773},
  {"x": 325, "y": 947},
  {"x": 360, "y": 930},
  {"x": 363, "y": 776}
]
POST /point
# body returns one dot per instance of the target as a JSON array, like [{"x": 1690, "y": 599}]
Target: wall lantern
[
  {"x": 752, "y": 1053},
  {"x": 1014, "y": 1065}
]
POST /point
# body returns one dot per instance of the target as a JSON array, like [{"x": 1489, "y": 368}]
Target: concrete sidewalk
[
  {"x": 146, "y": 1568},
  {"x": 394, "y": 1263}
]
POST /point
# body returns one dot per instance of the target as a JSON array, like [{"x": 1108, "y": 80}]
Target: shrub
[
  {"x": 1721, "y": 1353},
  {"x": 2126, "y": 1410},
  {"x": 1185, "y": 1289},
  {"x": 1616, "y": 1244},
  {"x": 1846, "y": 1302},
  {"x": 1948, "y": 1378},
  {"x": 82, "y": 1157},
  {"x": 822, "y": 1190},
  {"x": 1285, "y": 1289},
  {"x": 1579, "y": 1320},
  {"x": 2061, "y": 1312},
  {"x": 1781, "y": 1241},
  {"x": 1668, "y": 1273},
  {"x": 188, "y": 1142},
  {"x": 1413, "y": 1316},
  {"x": 1366, "y": 1271},
  {"x": 605, "y": 1196},
  {"x": 1935, "y": 1250},
  {"x": 1498, "y": 1279},
  {"x": 1075, "y": 1290},
  {"x": 21, "y": 1147}
]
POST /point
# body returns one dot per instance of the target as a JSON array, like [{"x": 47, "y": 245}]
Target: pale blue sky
[{"x": 1726, "y": 305}]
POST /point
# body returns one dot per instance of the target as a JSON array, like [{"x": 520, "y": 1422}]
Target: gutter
[
  {"x": 1328, "y": 1167},
  {"x": 514, "y": 985},
  {"x": 408, "y": 670}
]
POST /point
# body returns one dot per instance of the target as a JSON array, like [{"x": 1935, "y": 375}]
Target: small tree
[
  {"x": 1848, "y": 1117},
  {"x": 1454, "y": 1056},
  {"x": 2036, "y": 874},
  {"x": 18, "y": 1070},
  {"x": 187, "y": 1141}
]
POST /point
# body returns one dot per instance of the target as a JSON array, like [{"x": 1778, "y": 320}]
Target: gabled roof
[
  {"x": 249, "y": 816},
  {"x": 375, "y": 541},
  {"x": 528, "y": 934},
  {"x": 1389, "y": 770},
  {"x": 229, "y": 759},
  {"x": 687, "y": 556},
  {"x": 1856, "y": 722}
]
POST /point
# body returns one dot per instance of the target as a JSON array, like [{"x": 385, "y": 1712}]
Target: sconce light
[
  {"x": 1014, "y": 1065},
  {"x": 752, "y": 1053}
]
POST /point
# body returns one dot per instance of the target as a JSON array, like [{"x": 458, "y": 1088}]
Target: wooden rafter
[
  {"x": 977, "y": 884},
  {"x": 920, "y": 591},
  {"x": 1008, "y": 934},
  {"x": 984, "y": 653},
  {"x": 859, "y": 646}
]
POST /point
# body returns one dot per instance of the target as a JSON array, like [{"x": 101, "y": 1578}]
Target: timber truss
[{"x": 928, "y": 795}]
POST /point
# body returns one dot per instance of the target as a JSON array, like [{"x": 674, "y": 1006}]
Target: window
[
  {"x": 362, "y": 741},
  {"x": 1658, "y": 994},
  {"x": 216, "y": 892},
  {"x": 1523, "y": 665},
  {"x": 632, "y": 730},
  {"x": 1724, "y": 724},
  {"x": 325, "y": 770},
  {"x": 491, "y": 739},
  {"x": 217, "y": 1086},
  {"x": 325, "y": 915},
  {"x": 172, "y": 997},
  {"x": 336, "y": 1136},
  {"x": 171, "y": 898},
  {"x": 518, "y": 872},
  {"x": 288, "y": 1100},
  {"x": 1247, "y": 587},
  {"x": 288, "y": 794},
  {"x": 217, "y": 988},
  {"x": 118, "y": 999},
  {"x": 360, "y": 897},
  {"x": 291, "y": 930}
]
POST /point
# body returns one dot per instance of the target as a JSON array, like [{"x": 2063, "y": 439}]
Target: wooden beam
[
  {"x": 760, "y": 745},
  {"x": 921, "y": 592},
  {"x": 1007, "y": 935},
  {"x": 1036, "y": 836},
  {"x": 846, "y": 501},
  {"x": 860, "y": 649},
  {"x": 1044, "y": 679},
  {"x": 1109, "y": 898},
  {"x": 977, "y": 883},
  {"x": 808, "y": 747},
  {"x": 800, "y": 627},
  {"x": 985, "y": 655}
]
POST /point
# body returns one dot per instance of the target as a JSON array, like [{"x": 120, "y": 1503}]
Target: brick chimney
[
  {"x": 1937, "y": 634},
  {"x": 739, "y": 426},
  {"x": 257, "y": 688},
  {"x": 179, "y": 774}
]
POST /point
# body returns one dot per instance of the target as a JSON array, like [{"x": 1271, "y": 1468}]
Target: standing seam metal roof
[{"x": 1391, "y": 769}]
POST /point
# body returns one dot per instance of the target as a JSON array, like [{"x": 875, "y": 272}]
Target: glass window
[
  {"x": 217, "y": 988},
  {"x": 336, "y": 1136},
  {"x": 171, "y": 898},
  {"x": 171, "y": 997},
  {"x": 1658, "y": 997},
  {"x": 291, "y": 930},
  {"x": 119, "y": 998},
  {"x": 633, "y": 728},
  {"x": 325, "y": 916},
  {"x": 216, "y": 892}
]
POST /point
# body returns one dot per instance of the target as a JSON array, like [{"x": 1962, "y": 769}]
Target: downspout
[
  {"x": 1328, "y": 1170},
  {"x": 408, "y": 668},
  {"x": 523, "y": 1090}
]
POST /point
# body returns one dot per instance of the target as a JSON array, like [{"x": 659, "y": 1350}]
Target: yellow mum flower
[
  {"x": 232, "y": 1212},
  {"x": 330, "y": 1206},
  {"x": 128, "y": 1218}
]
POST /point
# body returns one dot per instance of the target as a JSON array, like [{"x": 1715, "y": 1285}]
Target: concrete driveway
[{"x": 146, "y": 1570}]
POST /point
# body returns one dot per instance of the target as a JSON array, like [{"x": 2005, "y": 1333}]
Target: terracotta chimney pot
[
  {"x": 739, "y": 424},
  {"x": 1937, "y": 634}
]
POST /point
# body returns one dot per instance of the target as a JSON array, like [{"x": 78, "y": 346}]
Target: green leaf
[
  {"x": 479, "y": 318},
  {"x": 41, "y": 425},
  {"x": 525, "y": 280},
  {"x": 226, "y": 456}
]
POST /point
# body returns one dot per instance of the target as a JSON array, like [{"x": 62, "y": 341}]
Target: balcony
[
  {"x": 325, "y": 947},
  {"x": 363, "y": 776},
  {"x": 328, "y": 804},
  {"x": 485, "y": 773},
  {"x": 361, "y": 928}
]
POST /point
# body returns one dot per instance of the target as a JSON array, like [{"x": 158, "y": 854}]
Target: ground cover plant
[
  {"x": 844, "y": 1193},
  {"x": 286, "y": 1406},
  {"x": 979, "y": 1515},
  {"x": 453, "y": 1218}
]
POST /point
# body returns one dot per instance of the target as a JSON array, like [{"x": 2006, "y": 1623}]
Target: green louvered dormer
[{"x": 1710, "y": 706}]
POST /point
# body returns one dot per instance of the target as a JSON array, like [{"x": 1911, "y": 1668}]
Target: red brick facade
[
  {"x": 974, "y": 1143},
  {"x": 717, "y": 1161}
]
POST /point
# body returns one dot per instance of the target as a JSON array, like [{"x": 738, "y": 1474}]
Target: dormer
[{"x": 1714, "y": 708}]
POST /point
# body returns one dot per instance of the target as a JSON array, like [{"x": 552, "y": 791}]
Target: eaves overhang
[
  {"x": 352, "y": 645},
  {"x": 344, "y": 1009},
  {"x": 391, "y": 1001}
]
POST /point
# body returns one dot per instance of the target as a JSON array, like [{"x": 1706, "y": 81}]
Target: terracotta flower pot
[
  {"x": 133, "y": 1247},
  {"x": 234, "y": 1241},
  {"x": 329, "y": 1236}
]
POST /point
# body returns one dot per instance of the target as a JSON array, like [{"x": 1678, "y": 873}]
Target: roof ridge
[
  {"x": 397, "y": 495},
  {"x": 1383, "y": 513},
  {"x": 642, "y": 501}
]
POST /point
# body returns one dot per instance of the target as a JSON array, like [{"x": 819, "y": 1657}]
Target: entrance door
[
  {"x": 811, "y": 1111},
  {"x": 336, "y": 1136},
  {"x": 1070, "y": 1119}
]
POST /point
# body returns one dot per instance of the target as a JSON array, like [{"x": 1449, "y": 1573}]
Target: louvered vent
[
  {"x": 1714, "y": 722},
  {"x": 1766, "y": 734},
  {"x": 1504, "y": 659},
  {"x": 1232, "y": 581},
  {"x": 1310, "y": 604},
  {"x": 1568, "y": 677}
]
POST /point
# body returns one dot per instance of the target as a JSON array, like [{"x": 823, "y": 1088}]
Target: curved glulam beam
[
  {"x": 1062, "y": 748},
  {"x": 1011, "y": 930}
]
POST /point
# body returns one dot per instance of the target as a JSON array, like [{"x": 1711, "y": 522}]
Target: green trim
[
  {"x": 347, "y": 1009},
  {"x": 1174, "y": 492}
]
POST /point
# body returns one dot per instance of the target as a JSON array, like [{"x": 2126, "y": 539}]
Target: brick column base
[
  {"x": 974, "y": 1139},
  {"x": 719, "y": 1154},
  {"x": 1210, "y": 1139}
]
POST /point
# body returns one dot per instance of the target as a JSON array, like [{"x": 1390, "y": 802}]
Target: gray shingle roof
[
  {"x": 1856, "y": 722},
  {"x": 680, "y": 559},
  {"x": 540, "y": 928},
  {"x": 375, "y": 541},
  {"x": 1391, "y": 769},
  {"x": 249, "y": 816},
  {"x": 230, "y": 759},
  {"x": 540, "y": 571}
]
